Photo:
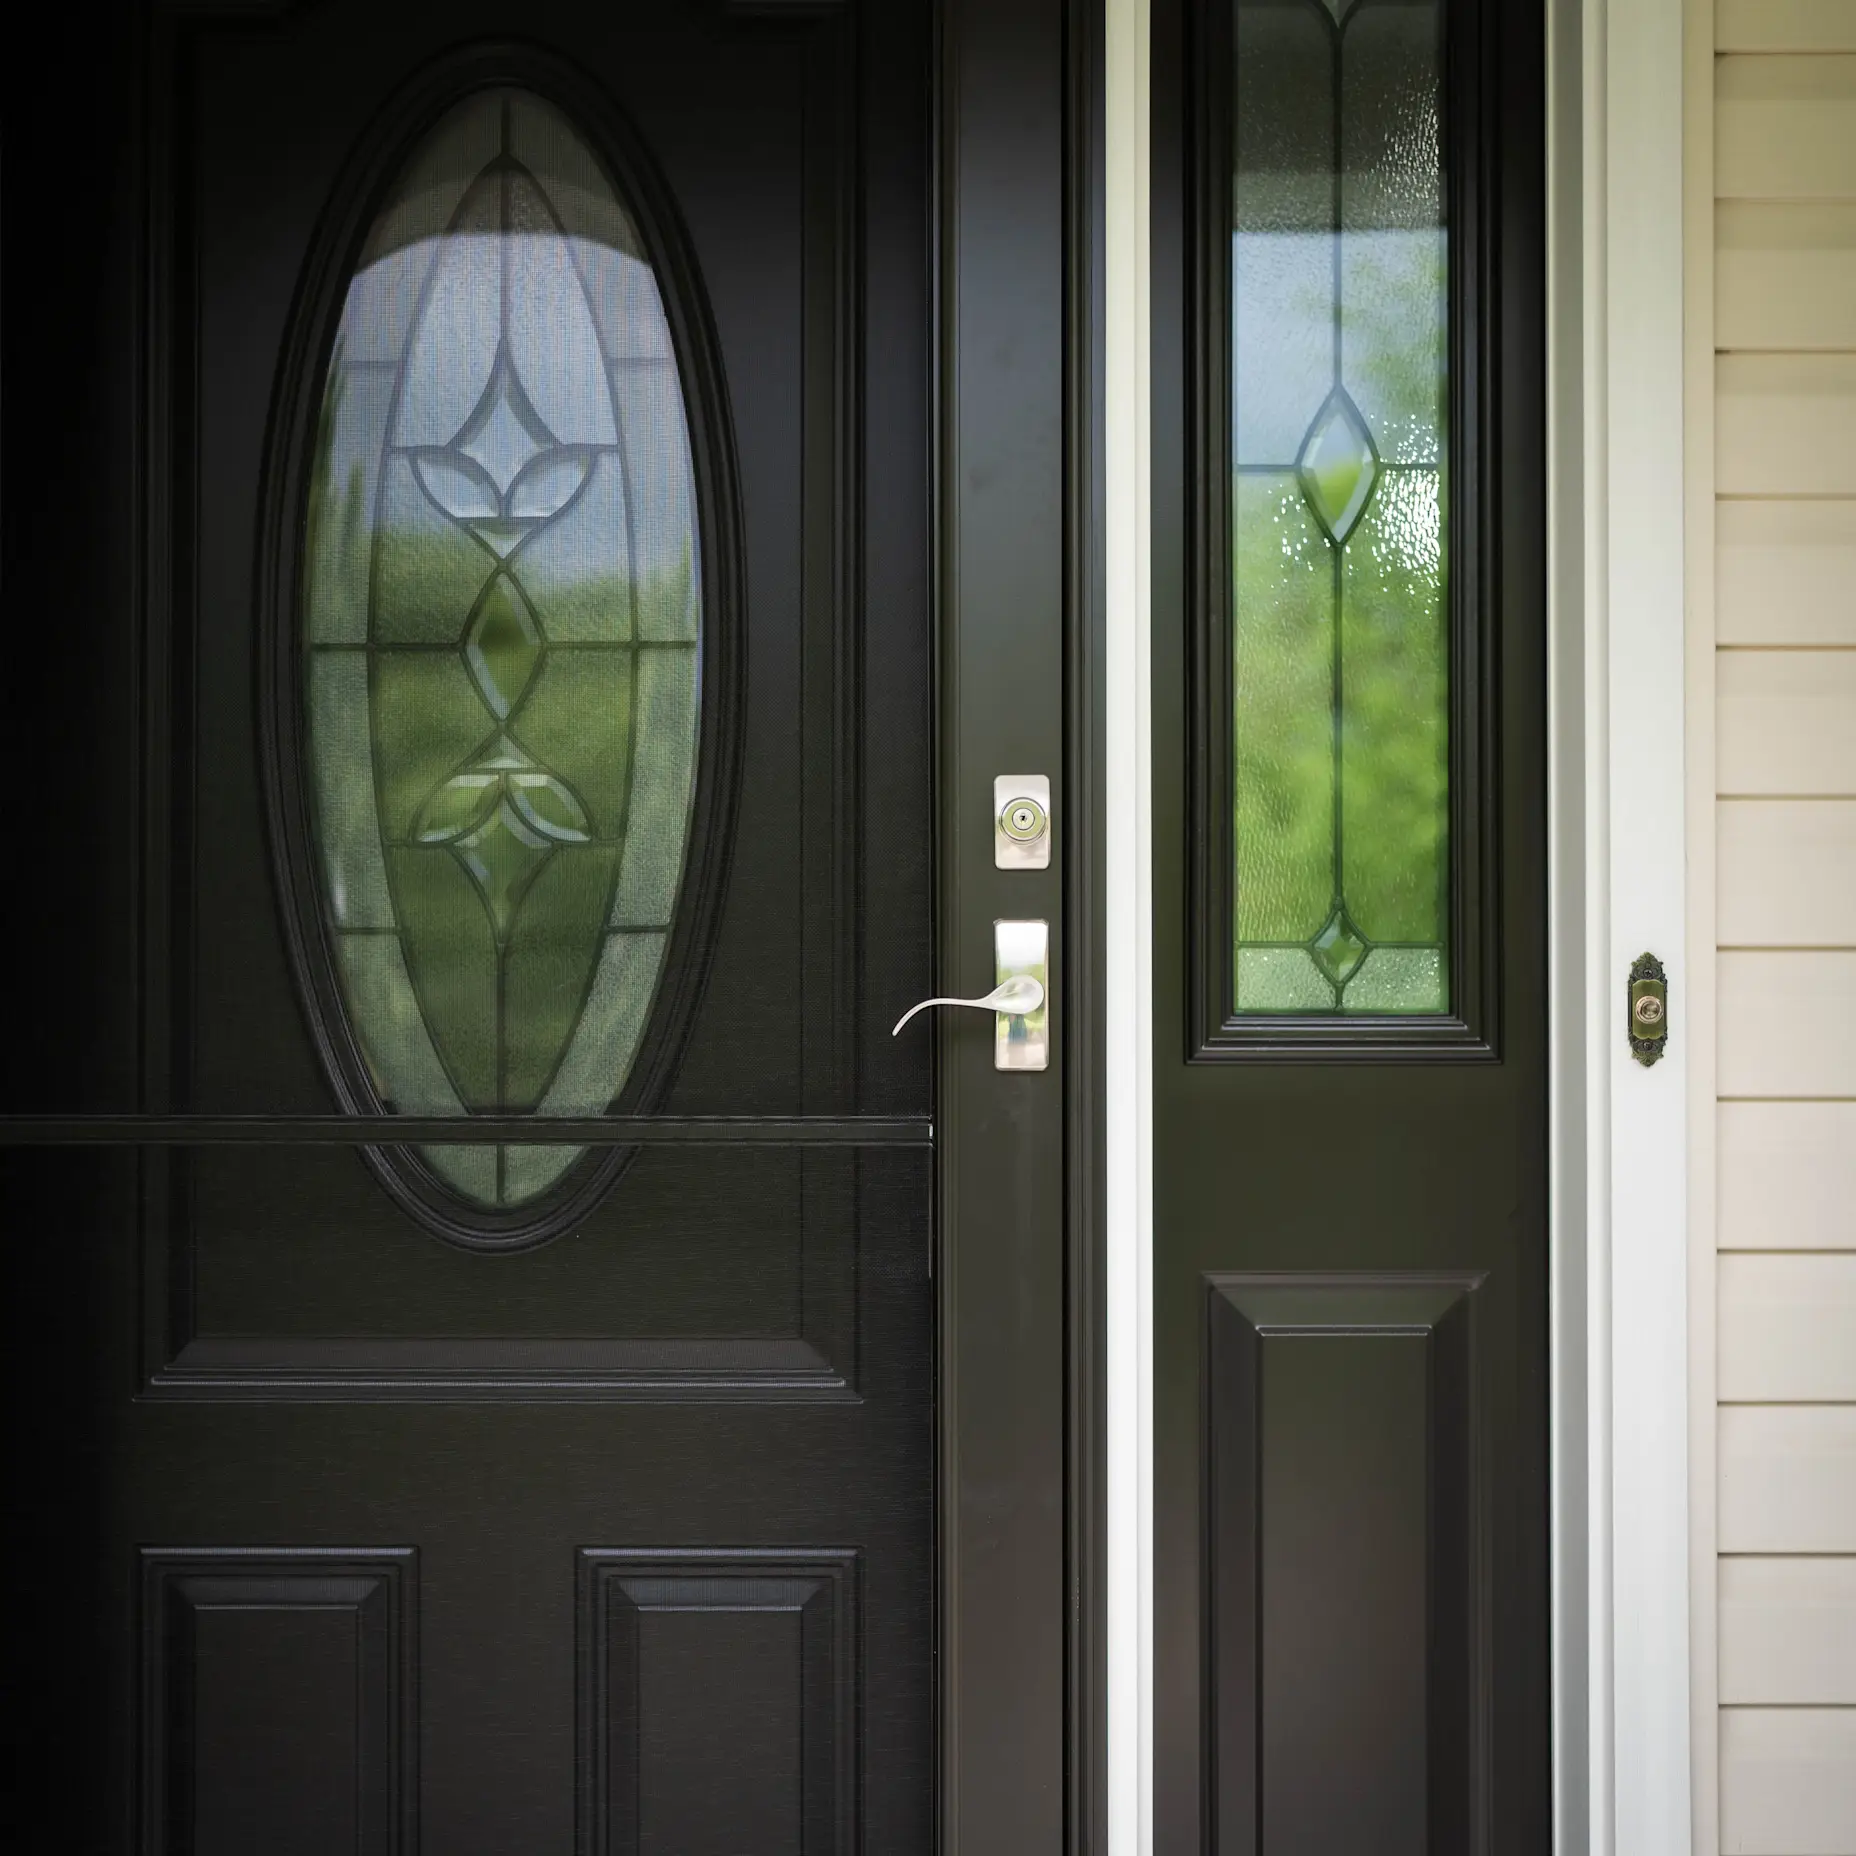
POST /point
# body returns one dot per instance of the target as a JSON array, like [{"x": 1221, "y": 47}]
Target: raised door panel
[
  {"x": 735, "y": 1273},
  {"x": 719, "y": 1702},
  {"x": 1343, "y": 1556},
  {"x": 280, "y": 1699}
]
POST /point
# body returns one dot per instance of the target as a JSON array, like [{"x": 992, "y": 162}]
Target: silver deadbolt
[
  {"x": 1024, "y": 820},
  {"x": 1021, "y": 821}
]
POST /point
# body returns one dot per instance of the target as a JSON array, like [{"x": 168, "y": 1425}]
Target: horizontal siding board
[
  {"x": 1785, "y": 275},
  {"x": 1786, "y": 1024},
  {"x": 1787, "y": 1478},
  {"x": 1784, "y": 26},
  {"x": 1787, "y": 1326},
  {"x": 1785, "y": 128},
  {"x": 1788, "y": 1781},
  {"x": 1788, "y": 1631},
  {"x": 1786, "y": 722},
  {"x": 1786, "y": 1175},
  {"x": 1782, "y": 424},
  {"x": 1785, "y": 873},
  {"x": 1785, "y": 572}
]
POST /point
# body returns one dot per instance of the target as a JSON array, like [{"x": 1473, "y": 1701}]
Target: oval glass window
[{"x": 501, "y": 641}]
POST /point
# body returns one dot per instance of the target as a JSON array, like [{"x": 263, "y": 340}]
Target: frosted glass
[
  {"x": 1395, "y": 680},
  {"x": 373, "y": 967},
  {"x": 502, "y": 637},
  {"x": 663, "y": 773},
  {"x": 353, "y": 868},
  {"x": 1283, "y": 735},
  {"x": 1340, "y": 641},
  {"x": 1281, "y": 979},
  {"x": 576, "y": 569},
  {"x": 1282, "y": 231},
  {"x": 1400, "y": 979},
  {"x": 1392, "y": 245},
  {"x": 623, "y": 989}
]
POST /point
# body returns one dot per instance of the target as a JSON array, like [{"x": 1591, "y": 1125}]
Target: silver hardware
[
  {"x": 1021, "y": 1025},
  {"x": 1021, "y": 821}
]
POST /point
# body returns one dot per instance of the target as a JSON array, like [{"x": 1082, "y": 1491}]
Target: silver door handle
[
  {"x": 1021, "y": 1021},
  {"x": 1016, "y": 997}
]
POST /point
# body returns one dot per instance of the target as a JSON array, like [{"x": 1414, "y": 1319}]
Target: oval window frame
[{"x": 391, "y": 140}]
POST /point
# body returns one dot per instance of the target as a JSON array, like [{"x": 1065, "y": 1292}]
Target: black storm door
[
  {"x": 525, "y": 512},
  {"x": 1350, "y": 1269}
]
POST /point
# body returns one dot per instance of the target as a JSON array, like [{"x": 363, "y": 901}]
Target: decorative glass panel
[
  {"x": 1340, "y": 647},
  {"x": 502, "y": 631}
]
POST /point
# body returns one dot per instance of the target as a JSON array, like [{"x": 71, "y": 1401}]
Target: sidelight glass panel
[
  {"x": 1340, "y": 538},
  {"x": 501, "y": 611}
]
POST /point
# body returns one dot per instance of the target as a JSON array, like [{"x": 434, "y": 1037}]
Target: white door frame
[{"x": 1619, "y": 1259}]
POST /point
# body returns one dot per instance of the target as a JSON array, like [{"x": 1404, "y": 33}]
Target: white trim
[
  {"x": 1128, "y": 980},
  {"x": 1699, "y": 1001},
  {"x": 1636, "y": 899}
]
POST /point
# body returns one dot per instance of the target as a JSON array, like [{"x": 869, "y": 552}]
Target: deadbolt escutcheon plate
[{"x": 1021, "y": 821}]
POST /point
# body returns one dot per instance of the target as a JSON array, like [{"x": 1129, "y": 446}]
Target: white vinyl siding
[{"x": 1785, "y": 923}]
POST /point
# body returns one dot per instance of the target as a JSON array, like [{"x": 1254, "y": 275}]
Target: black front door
[{"x": 471, "y": 469}]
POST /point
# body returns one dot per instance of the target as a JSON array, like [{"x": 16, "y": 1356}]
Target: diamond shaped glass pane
[
  {"x": 1338, "y": 466},
  {"x": 503, "y": 646},
  {"x": 1339, "y": 948}
]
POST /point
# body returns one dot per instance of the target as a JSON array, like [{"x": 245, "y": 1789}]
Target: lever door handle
[
  {"x": 1015, "y": 997},
  {"x": 1021, "y": 1020}
]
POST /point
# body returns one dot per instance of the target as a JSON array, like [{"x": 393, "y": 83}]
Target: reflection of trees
[
  {"x": 498, "y": 995},
  {"x": 1378, "y": 707}
]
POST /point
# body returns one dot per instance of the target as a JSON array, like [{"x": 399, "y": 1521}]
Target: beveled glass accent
[
  {"x": 501, "y": 617},
  {"x": 1338, "y": 467},
  {"x": 1339, "y": 547},
  {"x": 1339, "y": 948}
]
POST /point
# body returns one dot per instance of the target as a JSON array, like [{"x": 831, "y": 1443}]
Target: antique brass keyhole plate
[{"x": 1649, "y": 1009}]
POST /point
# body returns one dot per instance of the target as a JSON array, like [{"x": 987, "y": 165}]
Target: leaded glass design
[
  {"x": 1340, "y": 646},
  {"x": 502, "y": 629}
]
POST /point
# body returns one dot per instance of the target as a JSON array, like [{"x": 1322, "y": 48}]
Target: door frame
[
  {"x": 1020, "y": 460},
  {"x": 1619, "y": 768}
]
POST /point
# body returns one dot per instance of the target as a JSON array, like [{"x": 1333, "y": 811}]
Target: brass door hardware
[{"x": 1648, "y": 1007}]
